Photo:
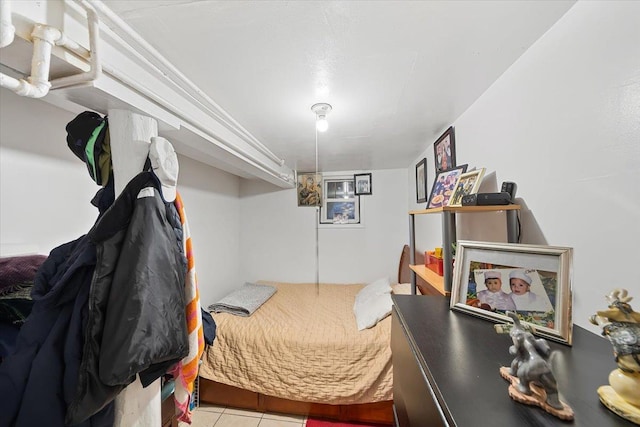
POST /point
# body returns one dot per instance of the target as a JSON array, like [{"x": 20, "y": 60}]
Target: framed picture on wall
[
  {"x": 421, "y": 181},
  {"x": 444, "y": 151},
  {"x": 533, "y": 281},
  {"x": 309, "y": 189},
  {"x": 443, "y": 186},
  {"x": 468, "y": 183},
  {"x": 363, "y": 184}
]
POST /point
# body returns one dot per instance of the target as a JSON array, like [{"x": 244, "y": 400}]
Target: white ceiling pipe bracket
[
  {"x": 7, "y": 30},
  {"x": 94, "y": 57}
]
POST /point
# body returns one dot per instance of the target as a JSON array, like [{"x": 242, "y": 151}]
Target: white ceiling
[{"x": 397, "y": 73}]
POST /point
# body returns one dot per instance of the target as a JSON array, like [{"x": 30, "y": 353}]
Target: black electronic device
[
  {"x": 509, "y": 187},
  {"x": 490, "y": 199},
  {"x": 486, "y": 199}
]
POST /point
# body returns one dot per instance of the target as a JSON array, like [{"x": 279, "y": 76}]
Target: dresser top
[{"x": 461, "y": 356}]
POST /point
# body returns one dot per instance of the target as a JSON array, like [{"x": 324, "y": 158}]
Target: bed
[{"x": 301, "y": 353}]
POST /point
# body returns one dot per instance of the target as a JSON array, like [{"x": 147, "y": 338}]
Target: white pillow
[
  {"x": 372, "y": 310},
  {"x": 379, "y": 287},
  {"x": 403, "y": 289}
]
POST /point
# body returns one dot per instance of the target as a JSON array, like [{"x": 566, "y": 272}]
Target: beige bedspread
[{"x": 303, "y": 345}]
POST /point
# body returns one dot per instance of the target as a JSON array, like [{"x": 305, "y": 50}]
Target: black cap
[{"x": 85, "y": 135}]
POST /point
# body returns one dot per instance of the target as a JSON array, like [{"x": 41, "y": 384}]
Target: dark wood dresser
[{"x": 445, "y": 371}]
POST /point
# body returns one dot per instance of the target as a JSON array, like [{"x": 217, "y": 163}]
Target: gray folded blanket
[{"x": 244, "y": 301}]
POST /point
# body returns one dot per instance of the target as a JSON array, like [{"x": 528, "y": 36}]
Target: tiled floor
[{"x": 218, "y": 416}]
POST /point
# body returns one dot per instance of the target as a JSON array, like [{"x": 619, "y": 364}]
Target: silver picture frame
[{"x": 534, "y": 282}]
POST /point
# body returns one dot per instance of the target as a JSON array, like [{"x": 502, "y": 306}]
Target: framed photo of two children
[{"x": 534, "y": 281}]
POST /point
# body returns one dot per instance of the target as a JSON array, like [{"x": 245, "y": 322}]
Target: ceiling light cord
[
  {"x": 317, "y": 224},
  {"x": 321, "y": 110}
]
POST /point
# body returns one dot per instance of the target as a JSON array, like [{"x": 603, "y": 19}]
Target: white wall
[
  {"x": 45, "y": 194},
  {"x": 45, "y": 191},
  {"x": 278, "y": 237},
  {"x": 212, "y": 203},
  {"x": 564, "y": 123}
]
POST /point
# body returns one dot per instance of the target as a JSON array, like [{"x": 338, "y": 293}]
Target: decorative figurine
[
  {"x": 532, "y": 380},
  {"x": 622, "y": 326}
]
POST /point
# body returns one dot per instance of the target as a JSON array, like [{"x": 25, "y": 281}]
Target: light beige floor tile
[
  {"x": 210, "y": 408},
  {"x": 243, "y": 412},
  {"x": 284, "y": 417},
  {"x": 229, "y": 420},
  {"x": 201, "y": 419},
  {"x": 279, "y": 423}
]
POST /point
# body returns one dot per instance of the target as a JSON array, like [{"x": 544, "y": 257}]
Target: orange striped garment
[{"x": 186, "y": 371}]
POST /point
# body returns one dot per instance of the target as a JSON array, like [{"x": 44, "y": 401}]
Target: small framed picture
[
  {"x": 444, "y": 151},
  {"x": 468, "y": 183},
  {"x": 363, "y": 184},
  {"x": 421, "y": 181},
  {"x": 309, "y": 189},
  {"x": 443, "y": 186},
  {"x": 533, "y": 281}
]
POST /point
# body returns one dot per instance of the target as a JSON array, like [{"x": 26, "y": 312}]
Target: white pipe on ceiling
[
  {"x": 7, "y": 30},
  {"x": 94, "y": 58},
  {"x": 129, "y": 35},
  {"x": 184, "y": 84},
  {"x": 44, "y": 37},
  {"x": 37, "y": 84},
  {"x": 9, "y": 82}
]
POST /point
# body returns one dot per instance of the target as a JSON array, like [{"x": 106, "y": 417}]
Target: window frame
[{"x": 331, "y": 196}]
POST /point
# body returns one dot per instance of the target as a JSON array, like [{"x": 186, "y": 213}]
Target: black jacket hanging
[{"x": 136, "y": 321}]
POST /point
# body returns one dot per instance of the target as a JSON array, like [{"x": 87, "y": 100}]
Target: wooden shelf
[
  {"x": 442, "y": 284},
  {"x": 456, "y": 209},
  {"x": 431, "y": 277}
]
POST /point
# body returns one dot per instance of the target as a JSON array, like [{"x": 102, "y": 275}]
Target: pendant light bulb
[
  {"x": 321, "y": 110},
  {"x": 322, "y": 124}
]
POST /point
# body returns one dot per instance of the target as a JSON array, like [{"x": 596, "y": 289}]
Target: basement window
[{"x": 340, "y": 205}]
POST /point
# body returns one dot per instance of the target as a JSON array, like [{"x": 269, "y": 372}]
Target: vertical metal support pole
[
  {"x": 412, "y": 251},
  {"x": 448, "y": 237},
  {"x": 512, "y": 226}
]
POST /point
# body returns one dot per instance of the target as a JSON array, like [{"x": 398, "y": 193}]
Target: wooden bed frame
[
  {"x": 225, "y": 395},
  {"x": 380, "y": 412}
]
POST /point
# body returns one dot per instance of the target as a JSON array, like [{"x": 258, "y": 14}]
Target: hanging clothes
[
  {"x": 186, "y": 371},
  {"x": 38, "y": 380},
  {"x": 209, "y": 327},
  {"x": 136, "y": 321}
]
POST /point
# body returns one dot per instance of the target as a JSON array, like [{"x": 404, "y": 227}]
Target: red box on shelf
[{"x": 433, "y": 263}]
